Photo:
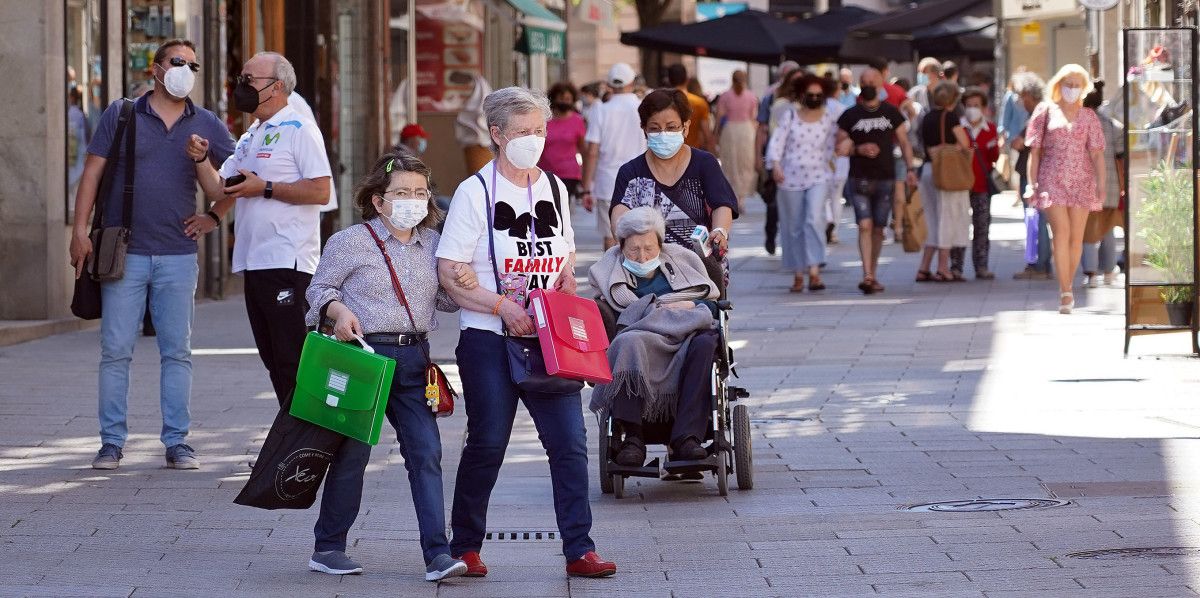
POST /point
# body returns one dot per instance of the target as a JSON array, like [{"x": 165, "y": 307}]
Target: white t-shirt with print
[
  {"x": 617, "y": 127},
  {"x": 269, "y": 233},
  {"x": 465, "y": 236}
]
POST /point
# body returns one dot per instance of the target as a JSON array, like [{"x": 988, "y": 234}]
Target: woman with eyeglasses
[
  {"x": 685, "y": 184},
  {"x": 352, "y": 291}
]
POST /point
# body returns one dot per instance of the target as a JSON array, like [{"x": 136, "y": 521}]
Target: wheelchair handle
[{"x": 725, "y": 305}]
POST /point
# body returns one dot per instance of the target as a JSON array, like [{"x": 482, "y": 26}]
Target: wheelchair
[{"x": 727, "y": 438}]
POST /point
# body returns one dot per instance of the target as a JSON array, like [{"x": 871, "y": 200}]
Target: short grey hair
[
  {"x": 502, "y": 104},
  {"x": 1032, "y": 85},
  {"x": 284, "y": 71},
  {"x": 639, "y": 221}
]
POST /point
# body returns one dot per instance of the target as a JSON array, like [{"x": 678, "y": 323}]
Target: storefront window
[
  {"x": 86, "y": 97},
  {"x": 148, "y": 23}
]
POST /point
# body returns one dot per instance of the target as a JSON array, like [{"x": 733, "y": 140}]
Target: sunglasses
[
  {"x": 179, "y": 61},
  {"x": 250, "y": 79}
]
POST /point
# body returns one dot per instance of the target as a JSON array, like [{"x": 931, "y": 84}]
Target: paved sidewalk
[{"x": 861, "y": 406}]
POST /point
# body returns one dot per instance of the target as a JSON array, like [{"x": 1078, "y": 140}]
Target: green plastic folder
[{"x": 342, "y": 387}]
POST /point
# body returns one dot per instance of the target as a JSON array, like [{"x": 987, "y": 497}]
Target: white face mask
[
  {"x": 407, "y": 213},
  {"x": 524, "y": 152},
  {"x": 1071, "y": 94},
  {"x": 974, "y": 114},
  {"x": 179, "y": 80}
]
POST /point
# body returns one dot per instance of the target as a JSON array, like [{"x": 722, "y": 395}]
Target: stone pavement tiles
[{"x": 861, "y": 406}]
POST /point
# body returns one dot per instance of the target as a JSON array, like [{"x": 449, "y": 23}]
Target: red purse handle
[{"x": 396, "y": 282}]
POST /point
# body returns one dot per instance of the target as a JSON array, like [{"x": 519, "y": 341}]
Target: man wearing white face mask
[{"x": 161, "y": 260}]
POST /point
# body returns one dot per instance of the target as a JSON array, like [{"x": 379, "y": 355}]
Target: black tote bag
[{"x": 291, "y": 465}]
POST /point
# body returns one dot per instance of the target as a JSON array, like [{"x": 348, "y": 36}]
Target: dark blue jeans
[
  {"x": 420, "y": 445},
  {"x": 491, "y": 404}
]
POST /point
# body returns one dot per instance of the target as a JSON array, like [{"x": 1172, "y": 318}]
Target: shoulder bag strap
[
  {"x": 110, "y": 164},
  {"x": 555, "y": 192},
  {"x": 487, "y": 208},
  {"x": 396, "y": 282},
  {"x": 942, "y": 126},
  {"x": 130, "y": 159}
]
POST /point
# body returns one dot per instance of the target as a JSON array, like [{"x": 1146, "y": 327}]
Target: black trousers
[
  {"x": 695, "y": 392},
  {"x": 276, "y": 307},
  {"x": 768, "y": 190}
]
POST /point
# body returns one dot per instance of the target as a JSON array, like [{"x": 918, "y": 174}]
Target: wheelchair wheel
[
  {"x": 618, "y": 485},
  {"x": 606, "y": 480},
  {"x": 742, "y": 448}
]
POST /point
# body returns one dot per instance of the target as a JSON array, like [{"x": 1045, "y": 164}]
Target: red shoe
[
  {"x": 475, "y": 566},
  {"x": 591, "y": 565}
]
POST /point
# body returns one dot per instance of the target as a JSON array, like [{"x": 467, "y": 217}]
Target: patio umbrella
[
  {"x": 959, "y": 27},
  {"x": 748, "y": 36},
  {"x": 831, "y": 29}
]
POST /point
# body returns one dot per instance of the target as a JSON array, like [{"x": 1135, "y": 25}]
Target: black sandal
[
  {"x": 939, "y": 277},
  {"x": 924, "y": 276}
]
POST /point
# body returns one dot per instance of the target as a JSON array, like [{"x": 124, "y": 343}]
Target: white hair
[
  {"x": 284, "y": 71},
  {"x": 502, "y": 104},
  {"x": 640, "y": 221}
]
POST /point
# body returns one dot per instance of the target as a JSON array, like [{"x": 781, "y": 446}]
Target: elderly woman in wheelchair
[{"x": 664, "y": 303}]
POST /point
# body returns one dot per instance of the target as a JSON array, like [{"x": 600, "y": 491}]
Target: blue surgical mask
[
  {"x": 882, "y": 93},
  {"x": 422, "y": 145},
  {"x": 642, "y": 269},
  {"x": 922, "y": 79},
  {"x": 665, "y": 144}
]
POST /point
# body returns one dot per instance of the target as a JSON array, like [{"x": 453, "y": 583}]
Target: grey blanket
[{"x": 647, "y": 356}]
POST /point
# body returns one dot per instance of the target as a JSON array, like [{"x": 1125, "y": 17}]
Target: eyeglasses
[
  {"x": 179, "y": 61},
  {"x": 667, "y": 129},
  {"x": 401, "y": 194},
  {"x": 250, "y": 79}
]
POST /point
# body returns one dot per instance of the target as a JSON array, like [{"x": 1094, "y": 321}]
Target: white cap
[{"x": 621, "y": 74}]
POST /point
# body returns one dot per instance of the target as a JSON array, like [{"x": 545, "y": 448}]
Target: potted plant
[{"x": 1165, "y": 224}]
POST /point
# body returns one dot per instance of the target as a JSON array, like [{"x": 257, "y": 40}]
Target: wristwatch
[{"x": 269, "y": 190}]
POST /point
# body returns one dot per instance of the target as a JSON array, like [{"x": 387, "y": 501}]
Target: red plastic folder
[{"x": 572, "y": 336}]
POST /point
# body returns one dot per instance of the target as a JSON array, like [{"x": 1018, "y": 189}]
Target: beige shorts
[{"x": 603, "y": 224}]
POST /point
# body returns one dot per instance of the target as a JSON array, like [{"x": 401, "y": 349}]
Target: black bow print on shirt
[{"x": 518, "y": 226}]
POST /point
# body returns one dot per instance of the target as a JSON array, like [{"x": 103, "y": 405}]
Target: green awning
[{"x": 543, "y": 32}]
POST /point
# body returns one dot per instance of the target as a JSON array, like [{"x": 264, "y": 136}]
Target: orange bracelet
[{"x": 496, "y": 308}]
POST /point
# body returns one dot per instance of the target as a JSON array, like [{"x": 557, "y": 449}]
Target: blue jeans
[
  {"x": 872, "y": 200},
  {"x": 491, "y": 404},
  {"x": 802, "y": 214},
  {"x": 170, "y": 281},
  {"x": 420, "y": 446},
  {"x": 1100, "y": 257}
]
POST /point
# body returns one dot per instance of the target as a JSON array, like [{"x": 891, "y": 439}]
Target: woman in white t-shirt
[{"x": 525, "y": 213}]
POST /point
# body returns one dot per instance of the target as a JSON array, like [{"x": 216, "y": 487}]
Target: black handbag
[
  {"x": 526, "y": 364},
  {"x": 109, "y": 245},
  {"x": 291, "y": 465}
]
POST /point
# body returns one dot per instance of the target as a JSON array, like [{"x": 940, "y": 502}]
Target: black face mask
[
  {"x": 563, "y": 106},
  {"x": 245, "y": 97},
  {"x": 868, "y": 93},
  {"x": 845, "y": 87},
  {"x": 812, "y": 101}
]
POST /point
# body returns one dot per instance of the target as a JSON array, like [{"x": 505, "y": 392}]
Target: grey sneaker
[
  {"x": 182, "y": 456},
  {"x": 109, "y": 457},
  {"x": 444, "y": 566},
  {"x": 334, "y": 562}
]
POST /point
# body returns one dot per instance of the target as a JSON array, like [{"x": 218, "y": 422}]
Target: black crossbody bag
[
  {"x": 526, "y": 365},
  {"x": 109, "y": 244}
]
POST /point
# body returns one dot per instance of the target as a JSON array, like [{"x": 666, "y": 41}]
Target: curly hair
[{"x": 800, "y": 86}]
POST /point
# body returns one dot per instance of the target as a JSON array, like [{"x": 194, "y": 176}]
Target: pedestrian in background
[
  {"x": 565, "y": 133},
  {"x": 799, "y": 155},
  {"x": 986, "y": 143},
  {"x": 736, "y": 112},
  {"x": 277, "y": 240},
  {"x": 1038, "y": 252},
  {"x": 699, "y": 133},
  {"x": 1067, "y": 170},
  {"x": 353, "y": 288},
  {"x": 1013, "y": 113},
  {"x": 486, "y": 212},
  {"x": 949, "y": 220},
  {"x": 613, "y": 138},
  {"x": 766, "y": 188},
  {"x": 868, "y": 132},
  {"x": 1099, "y": 259},
  {"x": 160, "y": 264}
]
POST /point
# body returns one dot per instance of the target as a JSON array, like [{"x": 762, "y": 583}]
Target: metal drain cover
[
  {"x": 777, "y": 420},
  {"x": 522, "y": 536},
  {"x": 986, "y": 504},
  {"x": 1156, "y": 552}
]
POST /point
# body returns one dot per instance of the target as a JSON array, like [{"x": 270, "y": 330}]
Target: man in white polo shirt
[
  {"x": 277, "y": 226},
  {"x": 614, "y": 137}
]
